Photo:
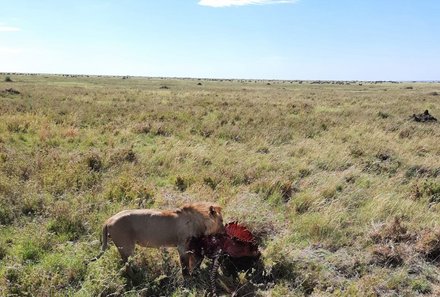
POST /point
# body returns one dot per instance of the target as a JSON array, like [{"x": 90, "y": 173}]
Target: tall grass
[{"x": 313, "y": 169}]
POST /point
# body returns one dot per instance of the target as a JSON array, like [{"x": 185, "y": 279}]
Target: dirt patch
[{"x": 424, "y": 117}]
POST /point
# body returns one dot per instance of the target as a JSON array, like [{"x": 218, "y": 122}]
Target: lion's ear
[{"x": 212, "y": 211}]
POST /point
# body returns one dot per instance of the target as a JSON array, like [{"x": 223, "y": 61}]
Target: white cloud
[
  {"x": 8, "y": 29},
  {"x": 227, "y": 3}
]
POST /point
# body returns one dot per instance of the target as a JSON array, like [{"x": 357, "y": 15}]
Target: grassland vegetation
[{"x": 338, "y": 181}]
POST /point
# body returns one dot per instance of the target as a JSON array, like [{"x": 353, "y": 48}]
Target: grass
[{"x": 321, "y": 172}]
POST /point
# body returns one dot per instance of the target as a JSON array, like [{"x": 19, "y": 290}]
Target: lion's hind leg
[
  {"x": 126, "y": 250},
  {"x": 125, "y": 246}
]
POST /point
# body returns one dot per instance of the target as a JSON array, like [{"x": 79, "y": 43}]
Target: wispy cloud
[
  {"x": 227, "y": 3},
  {"x": 9, "y": 29}
]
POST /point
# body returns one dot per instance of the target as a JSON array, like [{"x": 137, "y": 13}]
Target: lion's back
[
  {"x": 145, "y": 226},
  {"x": 150, "y": 227}
]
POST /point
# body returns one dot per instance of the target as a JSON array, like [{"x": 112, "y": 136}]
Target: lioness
[{"x": 169, "y": 228}]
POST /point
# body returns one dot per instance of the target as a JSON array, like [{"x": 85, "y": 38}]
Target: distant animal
[
  {"x": 424, "y": 117},
  {"x": 162, "y": 228}
]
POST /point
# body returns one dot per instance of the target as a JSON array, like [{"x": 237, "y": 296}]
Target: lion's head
[{"x": 206, "y": 216}]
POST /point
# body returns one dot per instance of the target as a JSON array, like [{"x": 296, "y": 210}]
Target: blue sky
[{"x": 304, "y": 39}]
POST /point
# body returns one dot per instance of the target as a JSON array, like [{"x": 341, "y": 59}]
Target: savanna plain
[{"x": 339, "y": 183}]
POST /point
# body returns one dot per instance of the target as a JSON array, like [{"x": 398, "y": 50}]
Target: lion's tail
[{"x": 104, "y": 243}]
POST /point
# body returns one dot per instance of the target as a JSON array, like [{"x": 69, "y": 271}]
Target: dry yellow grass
[{"x": 314, "y": 169}]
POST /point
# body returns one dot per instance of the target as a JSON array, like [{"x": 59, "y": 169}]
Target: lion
[{"x": 167, "y": 228}]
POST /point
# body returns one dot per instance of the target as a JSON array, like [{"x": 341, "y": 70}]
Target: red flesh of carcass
[{"x": 237, "y": 242}]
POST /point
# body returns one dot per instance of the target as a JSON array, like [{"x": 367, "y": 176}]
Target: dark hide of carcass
[
  {"x": 237, "y": 242},
  {"x": 236, "y": 250}
]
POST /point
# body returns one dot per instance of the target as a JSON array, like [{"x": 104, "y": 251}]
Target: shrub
[
  {"x": 32, "y": 205},
  {"x": 421, "y": 286},
  {"x": 383, "y": 115},
  {"x": 388, "y": 255},
  {"x": 94, "y": 162},
  {"x": 71, "y": 227},
  {"x": 210, "y": 182},
  {"x": 7, "y": 214},
  {"x": 8, "y": 79},
  {"x": 393, "y": 231},
  {"x": 3, "y": 251},
  {"x": 432, "y": 190},
  {"x": 285, "y": 189},
  {"x": 429, "y": 189},
  {"x": 181, "y": 184},
  {"x": 30, "y": 250},
  {"x": 429, "y": 245},
  {"x": 66, "y": 222},
  {"x": 119, "y": 156}
]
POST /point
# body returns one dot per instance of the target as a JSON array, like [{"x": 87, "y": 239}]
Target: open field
[{"x": 342, "y": 186}]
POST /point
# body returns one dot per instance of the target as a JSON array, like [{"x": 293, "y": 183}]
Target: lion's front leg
[
  {"x": 195, "y": 260},
  {"x": 184, "y": 260}
]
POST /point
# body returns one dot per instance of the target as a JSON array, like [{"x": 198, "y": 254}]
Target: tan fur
[{"x": 169, "y": 228}]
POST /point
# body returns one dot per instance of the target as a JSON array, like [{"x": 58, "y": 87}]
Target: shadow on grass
[{"x": 165, "y": 279}]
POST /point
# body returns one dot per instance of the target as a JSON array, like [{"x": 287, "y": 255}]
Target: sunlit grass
[{"x": 312, "y": 169}]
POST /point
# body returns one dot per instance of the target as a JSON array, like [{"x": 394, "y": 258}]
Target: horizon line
[{"x": 215, "y": 78}]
